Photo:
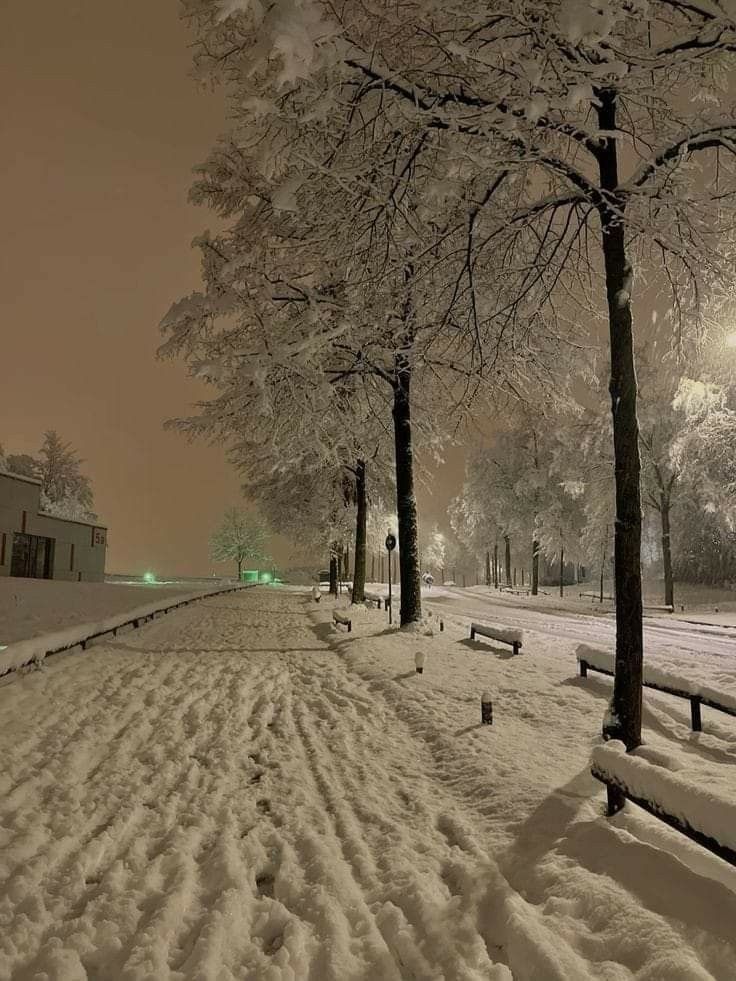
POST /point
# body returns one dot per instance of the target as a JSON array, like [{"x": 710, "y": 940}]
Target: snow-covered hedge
[
  {"x": 35, "y": 649},
  {"x": 659, "y": 677},
  {"x": 710, "y": 810}
]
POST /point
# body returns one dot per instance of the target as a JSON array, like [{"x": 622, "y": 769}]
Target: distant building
[{"x": 41, "y": 546}]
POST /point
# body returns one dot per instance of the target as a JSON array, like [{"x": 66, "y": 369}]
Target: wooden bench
[
  {"x": 596, "y": 596},
  {"x": 660, "y": 792},
  {"x": 587, "y": 658},
  {"x": 341, "y": 619},
  {"x": 658, "y": 609},
  {"x": 511, "y": 637},
  {"x": 375, "y": 598}
]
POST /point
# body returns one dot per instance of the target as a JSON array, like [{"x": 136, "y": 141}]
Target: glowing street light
[{"x": 149, "y": 577}]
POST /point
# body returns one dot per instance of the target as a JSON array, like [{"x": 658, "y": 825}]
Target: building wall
[{"x": 80, "y": 548}]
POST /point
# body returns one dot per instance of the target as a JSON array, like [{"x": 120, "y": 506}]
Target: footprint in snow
[
  {"x": 274, "y": 945},
  {"x": 264, "y": 806},
  {"x": 265, "y": 885}
]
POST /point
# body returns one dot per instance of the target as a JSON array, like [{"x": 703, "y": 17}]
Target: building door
[{"x": 33, "y": 556}]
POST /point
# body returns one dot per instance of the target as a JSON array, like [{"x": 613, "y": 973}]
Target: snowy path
[
  {"x": 220, "y": 814},
  {"x": 221, "y": 795}
]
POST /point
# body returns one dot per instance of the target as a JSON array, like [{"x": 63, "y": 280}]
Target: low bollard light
[
  {"x": 486, "y": 709},
  {"x": 419, "y": 662}
]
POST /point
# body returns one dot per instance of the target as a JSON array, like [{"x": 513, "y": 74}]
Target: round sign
[{"x": 390, "y": 542}]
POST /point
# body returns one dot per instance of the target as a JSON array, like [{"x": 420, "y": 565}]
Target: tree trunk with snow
[
  {"x": 333, "y": 570},
  {"x": 669, "y": 585},
  {"x": 361, "y": 518},
  {"x": 562, "y": 571},
  {"x": 535, "y": 568},
  {"x": 488, "y": 567},
  {"x": 507, "y": 541},
  {"x": 495, "y": 565},
  {"x": 627, "y": 702},
  {"x": 406, "y": 506}
]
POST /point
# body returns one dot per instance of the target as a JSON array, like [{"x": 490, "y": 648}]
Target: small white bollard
[
  {"x": 419, "y": 662},
  {"x": 316, "y": 594},
  {"x": 486, "y": 709}
]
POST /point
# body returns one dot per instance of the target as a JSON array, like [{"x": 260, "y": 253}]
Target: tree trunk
[
  {"x": 603, "y": 564},
  {"x": 488, "y": 568},
  {"x": 240, "y": 569},
  {"x": 562, "y": 570},
  {"x": 535, "y": 568},
  {"x": 507, "y": 540},
  {"x": 373, "y": 566},
  {"x": 626, "y": 705},
  {"x": 669, "y": 586},
  {"x": 495, "y": 565},
  {"x": 361, "y": 518},
  {"x": 333, "y": 571},
  {"x": 406, "y": 505}
]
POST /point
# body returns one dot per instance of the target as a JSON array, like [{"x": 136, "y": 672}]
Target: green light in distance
[{"x": 149, "y": 577}]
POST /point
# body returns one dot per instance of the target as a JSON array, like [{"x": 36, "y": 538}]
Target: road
[{"x": 675, "y": 636}]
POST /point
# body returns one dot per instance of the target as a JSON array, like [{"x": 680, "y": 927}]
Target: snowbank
[
  {"x": 35, "y": 649},
  {"x": 659, "y": 677},
  {"x": 710, "y": 810}
]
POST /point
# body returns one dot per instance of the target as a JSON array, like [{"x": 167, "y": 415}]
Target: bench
[
  {"x": 513, "y": 638},
  {"x": 596, "y": 596},
  {"x": 340, "y": 618},
  {"x": 705, "y": 816},
  {"x": 592, "y": 659},
  {"x": 658, "y": 609},
  {"x": 375, "y": 598}
]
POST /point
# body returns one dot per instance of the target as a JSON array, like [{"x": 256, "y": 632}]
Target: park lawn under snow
[
  {"x": 242, "y": 791},
  {"x": 30, "y": 607}
]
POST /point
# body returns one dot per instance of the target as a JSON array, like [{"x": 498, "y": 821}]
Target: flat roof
[
  {"x": 47, "y": 514},
  {"x": 20, "y": 476}
]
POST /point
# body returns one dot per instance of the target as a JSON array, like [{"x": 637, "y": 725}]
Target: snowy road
[
  {"x": 238, "y": 792},
  {"x": 673, "y": 635}
]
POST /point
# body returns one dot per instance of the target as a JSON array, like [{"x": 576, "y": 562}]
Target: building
[{"x": 41, "y": 546}]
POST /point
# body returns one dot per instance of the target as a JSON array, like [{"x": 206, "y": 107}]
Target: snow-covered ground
[
  {"x": 29, "y": 607},
  {"x": 243, "y": 791}
]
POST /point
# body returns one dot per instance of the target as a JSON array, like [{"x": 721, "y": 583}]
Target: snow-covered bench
[
  {"x": 596, "y": 596},
  {"x": 340, "y": 618},
  {"x": 706, "y": 816},
  {"x": 503, "y": 635},
  {"x": 658, "y": 609},
  {"x": 375, "y": 598},
  {"x": 594, "y": 659}
]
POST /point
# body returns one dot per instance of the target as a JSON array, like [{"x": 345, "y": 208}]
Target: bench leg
[
  {"x": 616, "y": 799},
  {"x": 472, "y": 634},
  {"x": 583, "y": 669},
  {"x": 516, "y": 649},
  {"x": 695, "y": 720},
  {"x": 350, "y": 626}
]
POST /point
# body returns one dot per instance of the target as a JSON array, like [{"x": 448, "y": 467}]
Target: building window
[
  {"x": 71, "y": 558},
  {"x": 33, "y": 556}
]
